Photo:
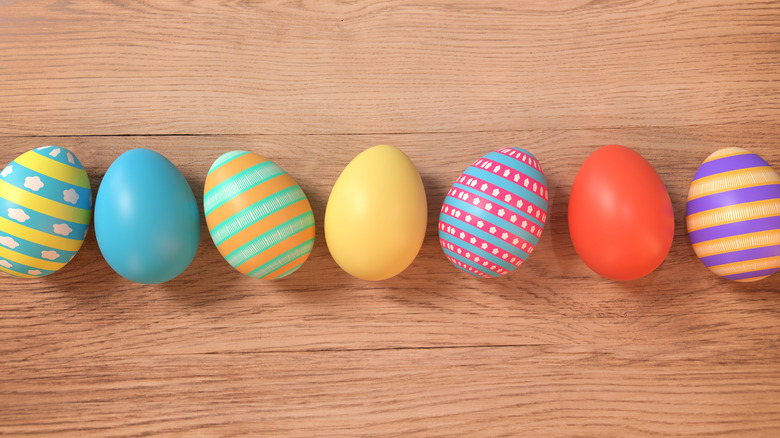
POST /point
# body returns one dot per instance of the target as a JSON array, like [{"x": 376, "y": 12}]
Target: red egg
[{"x": 620, "y": 216}]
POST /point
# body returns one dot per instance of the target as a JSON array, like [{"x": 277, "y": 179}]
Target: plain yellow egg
[{"x": 376, "y": 214}]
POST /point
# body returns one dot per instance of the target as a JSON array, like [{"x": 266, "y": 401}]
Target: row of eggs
[{"x": 147, "y": 222}]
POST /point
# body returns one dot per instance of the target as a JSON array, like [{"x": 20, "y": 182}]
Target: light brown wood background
[{"x": 550, "y": 350}]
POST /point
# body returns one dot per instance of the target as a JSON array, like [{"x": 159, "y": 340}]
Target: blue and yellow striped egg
[
  {"x": 257, "y": 215},
  {"x": 733, "y": 215},
  {"x": 494, "y": 214},
  {"x": 45, "y": 210}
]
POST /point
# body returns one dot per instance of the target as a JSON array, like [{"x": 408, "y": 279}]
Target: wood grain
[{"x": 550, "y": 350}]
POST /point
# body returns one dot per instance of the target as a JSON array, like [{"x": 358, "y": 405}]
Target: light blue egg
[{"x": 147, "y": 222}]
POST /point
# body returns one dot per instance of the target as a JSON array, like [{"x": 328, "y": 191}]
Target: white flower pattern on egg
[
  {"x": 6, "y": 264},
  {"x": 70, "y": 196},
  {"x": 50, "y": 255},
  {"x": 62, "y": 229},
  {"x": 70, "y": 158},
  {"x": 18, "y": 214},
  {"x": 8, "y": 242},
  {"x": 7, "y": 171},
  {"x": 34, "y": 272},
  {"x": 55, "y": 152},
  {"x": 33, "y": 183}
]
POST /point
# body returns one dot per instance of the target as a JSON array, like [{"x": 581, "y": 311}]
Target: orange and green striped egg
[
  {"x": 733, "y": 215},
  {"x": 45, "y": 211},
  {"x": 257, "y": 215}
]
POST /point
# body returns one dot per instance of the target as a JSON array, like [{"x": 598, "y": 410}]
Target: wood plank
[
  {"x": 165, "y": 67},
  {"x": 534, "y": 390}
]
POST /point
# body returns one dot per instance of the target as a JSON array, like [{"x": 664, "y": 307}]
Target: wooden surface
[{"x": 552, "y": 349}]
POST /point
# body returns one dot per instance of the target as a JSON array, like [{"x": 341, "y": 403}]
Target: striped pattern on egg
[
  {"x": 493, "y": 216},
  {"x": 257, "y": 215},
  {"x": 45, "y": 210},
  {"x": 733, "y": 215}
]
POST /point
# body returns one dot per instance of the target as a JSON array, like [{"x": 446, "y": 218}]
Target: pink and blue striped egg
[
  {"x": 733, "y": 215},
  {"x": 493, "y": 215}
]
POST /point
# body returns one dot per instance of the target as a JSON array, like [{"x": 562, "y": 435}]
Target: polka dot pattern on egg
[{"x": 494, "y": 214}]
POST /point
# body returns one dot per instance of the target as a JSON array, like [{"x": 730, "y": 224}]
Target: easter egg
[
  {"x": 147, "y": 222},
  {"x": 494, "y": 214},
  {"x": 45, "y": 209},
  {"x": 376, "y": 215},
  {"x": 733, "y": 215},
  {"x": 621, "y": 219},
  {"x": 257, "y": 215}
]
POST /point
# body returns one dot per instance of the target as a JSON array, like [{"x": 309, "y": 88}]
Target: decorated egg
[
  {"x": 376, "y": 215},
  {"x": 45, "y": 209},
  {"x": 621, "y": 219},
  {"x": 147, "y": 222},
  {"x": 258, "y": 216},
  {"x": 494, "y": 214},
  {"x": 733, "y": 215}
]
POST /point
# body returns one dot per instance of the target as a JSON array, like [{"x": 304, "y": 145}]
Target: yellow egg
[{"x": 376, "y": 214}]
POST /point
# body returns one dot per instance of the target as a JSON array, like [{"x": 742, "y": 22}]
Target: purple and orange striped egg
[
  {"x": 494, "y": 214},
  {"x": 733, "y": 215}
]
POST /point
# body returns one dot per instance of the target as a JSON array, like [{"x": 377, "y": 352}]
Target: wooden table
[{"x": 552, "y": 349}]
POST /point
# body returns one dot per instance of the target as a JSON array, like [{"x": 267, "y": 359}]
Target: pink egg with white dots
[{"x": 494, "y": 213}]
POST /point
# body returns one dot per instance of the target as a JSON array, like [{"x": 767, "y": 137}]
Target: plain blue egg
[{"x": 146, "y": 219}]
